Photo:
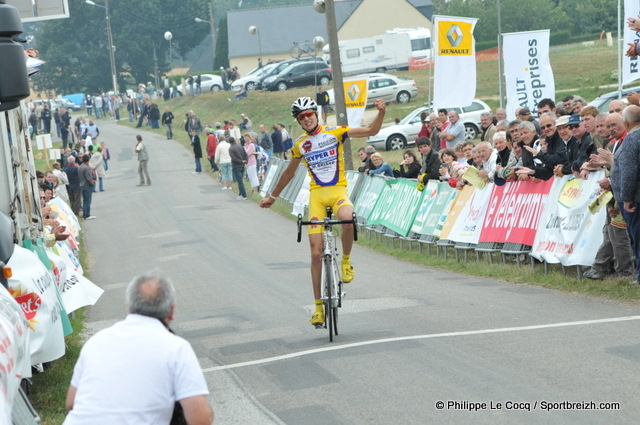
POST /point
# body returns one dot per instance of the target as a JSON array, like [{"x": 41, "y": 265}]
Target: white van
[
  {"x": 420, "y": 40},
  {"x": 373, "y": 54}
]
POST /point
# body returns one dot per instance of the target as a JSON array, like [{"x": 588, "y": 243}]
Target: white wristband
[{"x": 275, "y": 198}]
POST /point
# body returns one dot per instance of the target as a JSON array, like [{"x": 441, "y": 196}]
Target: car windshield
[{"x": 409, "y": 118}]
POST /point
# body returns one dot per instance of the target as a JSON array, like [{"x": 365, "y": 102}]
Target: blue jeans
[
  {"x": 87, "y": 193},
  {"x": 227, "y": 174},
  {"x": 238, "y": 175},
  {"x": 198, "y": 166}
]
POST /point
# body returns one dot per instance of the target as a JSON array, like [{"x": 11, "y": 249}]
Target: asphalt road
[{"x": 410, "y": 336}]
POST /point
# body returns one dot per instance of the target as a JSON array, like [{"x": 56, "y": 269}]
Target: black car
[
  {"x": 298, "y": 73},
  {"x": 280, "y": 66}
]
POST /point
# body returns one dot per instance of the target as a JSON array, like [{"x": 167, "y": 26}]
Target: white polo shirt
[{"x": 132, "y": 373}]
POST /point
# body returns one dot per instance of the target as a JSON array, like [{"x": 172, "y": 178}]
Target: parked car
[
  {"x": 210, "y": 82},
  {"x": 406, "y": 131},
  {"x": 64, "y": 103},
  {"x": 299, "y": 74},
  {"x": 389, "y": 87},
  {"x": 280, "y": 66},
  {"x": 252, "y": 80},
  {"x": 602, "y": 102}
]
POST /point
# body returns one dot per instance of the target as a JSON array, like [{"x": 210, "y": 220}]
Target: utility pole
[
  {"x": 112, "y": 49},
  {"x": 336, "y": 69},
  {"x": 213, "y": 36}
]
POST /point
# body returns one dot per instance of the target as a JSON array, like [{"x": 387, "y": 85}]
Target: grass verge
[{"x": 48, "y": 390}]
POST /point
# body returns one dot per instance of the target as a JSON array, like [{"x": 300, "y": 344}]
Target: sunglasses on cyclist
[{"x": 305, "y": 114}]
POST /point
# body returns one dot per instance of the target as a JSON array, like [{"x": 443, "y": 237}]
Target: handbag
[{"x": 288, "y": 144}]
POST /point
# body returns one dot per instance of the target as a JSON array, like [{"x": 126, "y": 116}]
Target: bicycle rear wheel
[{"x": 329, "y": 314}]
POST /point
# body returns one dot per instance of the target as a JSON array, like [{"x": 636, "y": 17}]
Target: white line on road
[{"x": 417, "y": 337}]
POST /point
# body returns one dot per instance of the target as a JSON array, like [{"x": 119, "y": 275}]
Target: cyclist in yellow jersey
[{"x": 322, "y": 149}]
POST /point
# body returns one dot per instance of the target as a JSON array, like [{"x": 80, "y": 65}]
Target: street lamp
[
  {"x": 253, "y": 30},
  {"x": 112, "y": 48},
  {"x": 213, "y": 34},
  {"x": 168, "y": 36}
]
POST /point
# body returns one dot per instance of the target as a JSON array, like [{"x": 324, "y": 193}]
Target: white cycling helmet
[{"x": 303, "y": 104}]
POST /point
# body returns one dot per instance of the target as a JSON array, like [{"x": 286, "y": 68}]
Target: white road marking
[
  {"x": 159, "y": 235},
  {"x": 114, "y": 286},
  {"x": 416, "y": 337}
]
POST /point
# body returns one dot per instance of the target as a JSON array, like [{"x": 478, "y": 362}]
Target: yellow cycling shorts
[{"x": 323, "y": 197}]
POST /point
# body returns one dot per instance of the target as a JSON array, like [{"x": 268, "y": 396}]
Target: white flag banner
[
  {"x": 355, "y": 100},
  {"x": 630, "y": 66},
  {"x": 455, "y": 61},
  {"x": 527, "y": 71},
  {"x": 568, "y": 233}
]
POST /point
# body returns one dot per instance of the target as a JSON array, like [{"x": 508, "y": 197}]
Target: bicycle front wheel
[{"x": 329, "y": 314}]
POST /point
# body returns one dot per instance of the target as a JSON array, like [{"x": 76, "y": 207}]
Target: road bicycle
[
  {"x": 331, "y": 278},
  {"x": 302, "y": 49}
]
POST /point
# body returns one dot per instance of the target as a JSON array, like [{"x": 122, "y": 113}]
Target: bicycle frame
[{"x": 332, "y": 284}]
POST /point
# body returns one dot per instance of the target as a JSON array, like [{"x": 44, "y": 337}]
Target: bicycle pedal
[
  {"x": 319, "y": 326},
  {"x": 344, "y": 294}
]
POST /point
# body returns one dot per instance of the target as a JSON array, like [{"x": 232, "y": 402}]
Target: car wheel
[
  {"x": 403, "y": 97},
  {"x": 470, "y": 132},
  {"x": 216, "y": 87},
  {"x": 282, "y": 86},
  {"x": 396, "y": 142},
  {"x": 324, "y": 80},
  {"x": 251, "y": 86}
]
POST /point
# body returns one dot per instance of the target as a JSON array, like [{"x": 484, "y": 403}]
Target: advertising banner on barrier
[
  {"x": 398, "y": 207},
  {"x": 34, "y": 288},
  {"x": 76, "y": 290},
  {"x": 65, "y": 214},
  {"x": 443, "y": 200},
  {"x": 268, "y": 180},
  {"x": 353, "y": 178},
  {"x": 458, "y": 205},
  {"x": 371, "y": 190},
  {"x": 568, "y": 232},
  {"x": 428, "y": 199},
  {"x": 527, "y": 70},
  {"x": 468, "y": 225},
  {"x": 14, "y": 355},
  {"x": 302, "y": 199},
  {"x": 514, "y": 212}
]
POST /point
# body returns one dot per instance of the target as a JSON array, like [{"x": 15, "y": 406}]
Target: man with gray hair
[
  {"x": 487, "y": 127},
  {"x": 135, "y": 371},
  {"x": 625, "y": 178}
]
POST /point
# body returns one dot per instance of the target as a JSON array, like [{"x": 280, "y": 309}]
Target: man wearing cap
[
  {"x": 584, "y": 146},
  {"x": 525, "y": 115},
  {"x": 570, "y": 144}
]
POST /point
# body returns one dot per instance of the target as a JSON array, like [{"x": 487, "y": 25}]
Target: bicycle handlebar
[{"x": 327, "y": 221}]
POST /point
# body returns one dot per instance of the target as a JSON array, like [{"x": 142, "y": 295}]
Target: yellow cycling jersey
[{"x": 323, "y": 153}]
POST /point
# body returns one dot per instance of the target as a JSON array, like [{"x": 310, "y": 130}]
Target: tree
[{"x": 78, "y": 59}]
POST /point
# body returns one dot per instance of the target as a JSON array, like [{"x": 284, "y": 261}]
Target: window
[
  {"x": 353, "y": 53},
  {"x": 475, "y": 106},
  {"x": 420, "y": 44},
  {"x": 386, "y": 82},
  {"x": 368, "y": 49}
]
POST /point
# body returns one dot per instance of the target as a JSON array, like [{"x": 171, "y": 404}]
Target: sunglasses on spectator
[
  {"x": 572, "y": 126},
  {"x": 305, "y": 114},
  {"x": 546, "y": 126}
]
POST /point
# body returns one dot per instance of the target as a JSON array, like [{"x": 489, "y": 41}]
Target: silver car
[
  {"x": 406, "y": 131},
  {"x": 209, "y": 82},
  {"x": 253, "y": 78},
  {"x": 389, "y": 87}
]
